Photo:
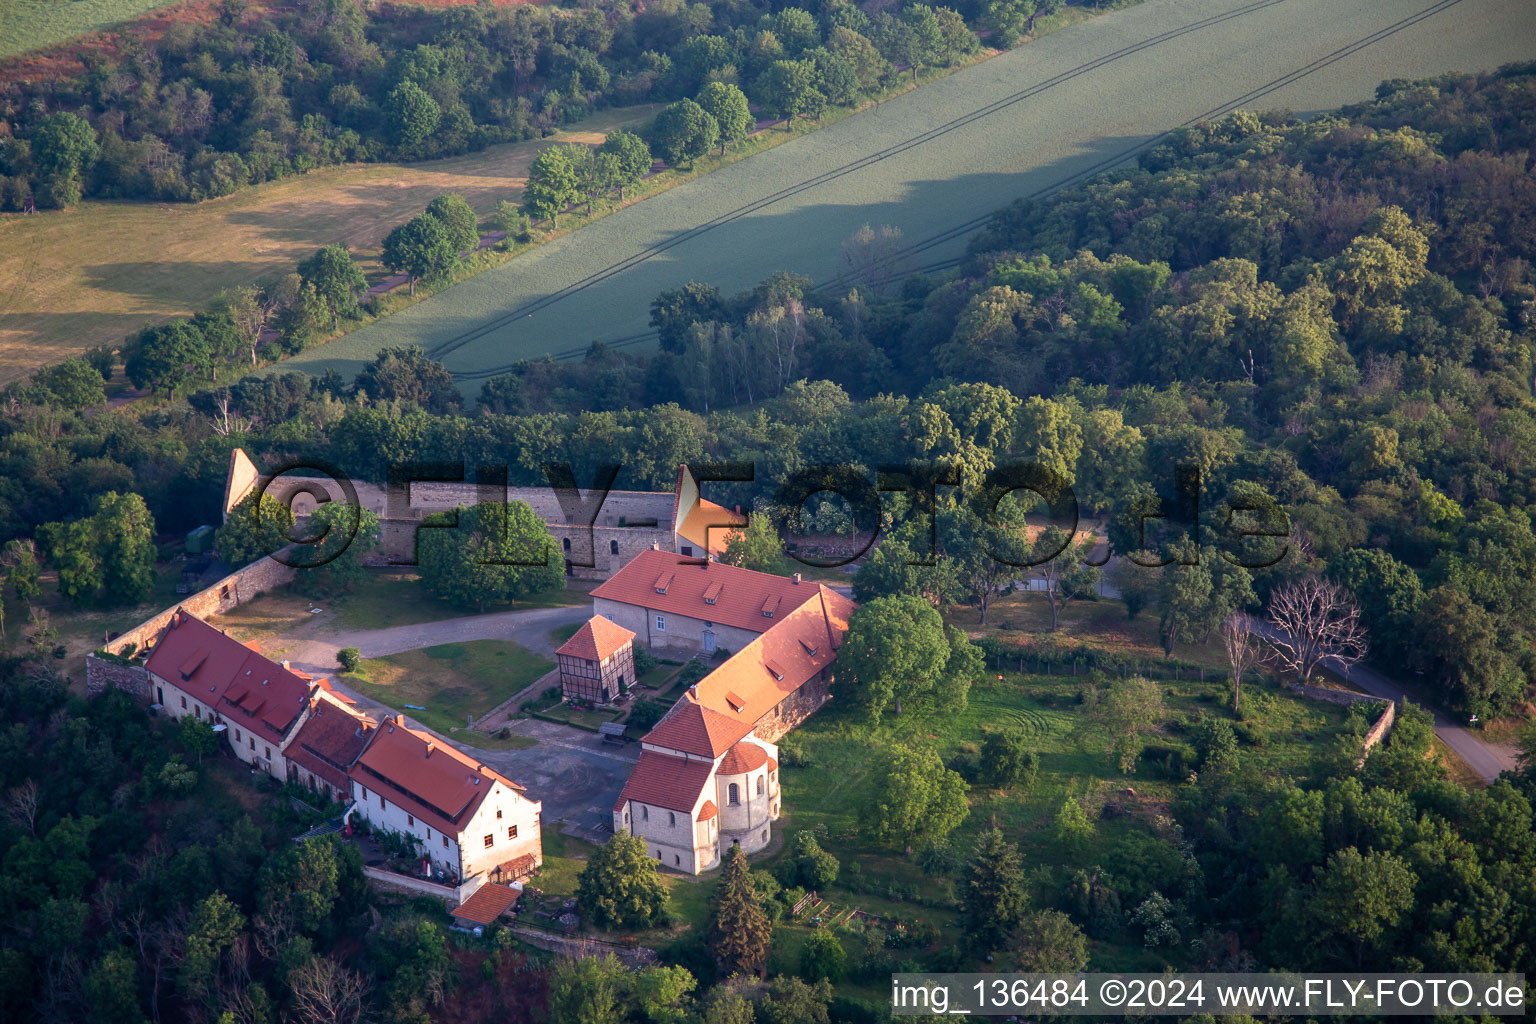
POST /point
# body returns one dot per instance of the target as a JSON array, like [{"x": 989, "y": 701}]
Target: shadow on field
[
  {"x": 606, "y": 275},
  {"x": 147, "y": 278}
]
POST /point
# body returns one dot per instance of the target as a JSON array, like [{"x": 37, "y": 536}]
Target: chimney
[
  {"x": 796, "y": 579},
  {"x": 655, "y": 545},
  {"x": 284, "y": 663},
  {"x": 429, "y": 748},
  {"x": 693, "y": 691}
]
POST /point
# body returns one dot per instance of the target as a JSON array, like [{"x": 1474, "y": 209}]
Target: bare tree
[
  {"x": 325, "y": 992},
  {"x": 875, "y": 258},
  {"x": 227, "y": 422},
  {"x": 1238, "y": 639},
  {"x": 21, "y": 805},
  {"x": 1314, "y": 620}
]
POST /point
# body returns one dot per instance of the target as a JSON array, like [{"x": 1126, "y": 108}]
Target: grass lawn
[
  {"x": 589, "y": 719},
  {"x": 452, "y": 681},
  {"x": 560, "y": 634},
  {"x": 892, "y": 886},
  {"x": 393, "y": 598},
  {"x": 96, "y": 273}
]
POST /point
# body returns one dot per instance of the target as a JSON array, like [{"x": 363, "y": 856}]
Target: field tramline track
[
  {"x": 457, "y": 342},
  {"x": 959, "y": 230}
]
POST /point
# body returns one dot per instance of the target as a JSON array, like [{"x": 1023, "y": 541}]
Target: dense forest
[{"x": 269, "y": 91}]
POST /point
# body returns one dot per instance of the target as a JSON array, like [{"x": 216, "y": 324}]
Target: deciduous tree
[
  {"x": 620, "y": 886},
  {"x": 915, "y": 798},
  {"x": 727, "y": 104},
  {"x": 421, "y": 247},
  {"x": 498, "y": 553},
  {"x": 256, "y": 527}
]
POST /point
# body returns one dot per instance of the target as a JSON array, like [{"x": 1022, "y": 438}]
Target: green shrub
[{"x": 349, "y": 658}]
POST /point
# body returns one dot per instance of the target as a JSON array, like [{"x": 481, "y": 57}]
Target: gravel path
[
  {"x": 528, "y": 627},
  {"x": 935, "y": 161}
]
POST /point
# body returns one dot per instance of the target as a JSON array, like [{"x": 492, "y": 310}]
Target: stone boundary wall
[
  {"x": 238, "y": 587},
  {"x": 1377, "y": 733},
  {"x": 575, "y": 946},
  {"x": 451, "y": 895},
  {"x": 794, "y": 709}
]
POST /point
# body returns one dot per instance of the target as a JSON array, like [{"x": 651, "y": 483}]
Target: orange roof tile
[
  {"x": 665, "y": 781},
  {"x": 709, "y": 526},
  {"x": 709, "y": 810},
  {"x": 739, "y": 602},
  {"x": 240, "y": 684},
  {"x": 742, "y": 758},
  {"x": 329, "y": 741},
  {"x": 425, "y": 775},
  {"x": 695, "y": 729},
  {"x": 598, "y": 639},
  {"x": 486, "y": 903}
]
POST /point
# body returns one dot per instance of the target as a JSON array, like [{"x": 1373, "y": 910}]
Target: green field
[
  {"x": 36, "y": 24},
  {"x": 925, "y": 162},
  {"x": 451, "y": 681}
]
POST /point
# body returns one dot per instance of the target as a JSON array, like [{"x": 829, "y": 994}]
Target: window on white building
[
  {"x": 183, "y": 703},
  {"x": 761, "y": 785},
  {"x": 613, "y": 547},
  {"x": 671, "y": 819},
  {"x": 490, "y": 841},
  {"x": 645, "y": 813},
  {"x": 445, "y": 842},
  {"x": 498, "y": 814},
  {"x": 511, "y": 831},
  {"x": 661, "y": 623},
  {"x": 735, "y": 795},
  {"x": 237, "y": 735},
  {"x": 410, "y": 821}
]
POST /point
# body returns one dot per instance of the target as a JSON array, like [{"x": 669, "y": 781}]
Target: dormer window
[
  {"x": 774, "y": 670},
  {"x": 712, "y": 594},
  {"x": 663, "y": 582},
  {"x": 735, "y": 701},
  {"x": 810, "y": 648},
  {"x": 769, "y": 606}
]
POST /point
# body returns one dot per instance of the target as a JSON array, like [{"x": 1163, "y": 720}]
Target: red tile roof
[
  {"x": 238, "y": 683},
  {"x": 425, "y": 775},
  {"x": 329, "y": 741},
  {"x": 695, "y": 729},
  {"x": 486, "y": 903},
  {"x": 664, "y": 781},
  {"x": 725, "y": 705},
  {"x": 740, "y": 601},
  {"x": 709, "y": 810},
  {"x": 598, "y": 639},
  {"x": 742, "y": 758}
]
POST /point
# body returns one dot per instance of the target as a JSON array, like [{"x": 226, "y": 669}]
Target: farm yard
[
  {"x": 95, "y": 273},
  {"x": 935, "y": 160}
]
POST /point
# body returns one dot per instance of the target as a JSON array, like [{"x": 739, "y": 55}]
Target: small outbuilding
[{"x": 598, "y": 663}]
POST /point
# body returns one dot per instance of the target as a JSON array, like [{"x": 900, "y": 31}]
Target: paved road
[
  {"x": 1485, "y": 758},
  {"x": 936, "y": 161}
]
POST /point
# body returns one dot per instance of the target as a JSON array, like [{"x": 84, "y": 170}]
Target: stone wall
[
  {"x": 795, "y": 708},
  {"x": 1377, "y": 733},
  {"x": 101, "y": 673},
  {"x": 238, "y": 587},
  {"x": 631, "y": 520}
]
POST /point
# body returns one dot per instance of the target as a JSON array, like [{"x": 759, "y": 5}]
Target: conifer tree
[{"x": 739, "y": 932}]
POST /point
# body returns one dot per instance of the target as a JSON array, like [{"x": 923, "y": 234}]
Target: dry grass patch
[{"x": 73, "y": 279}]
